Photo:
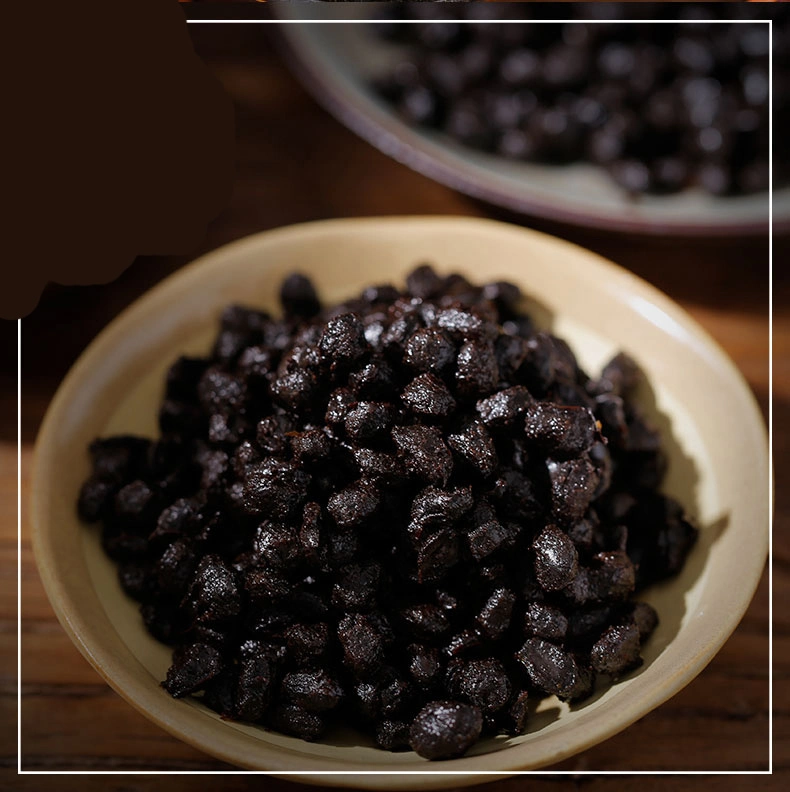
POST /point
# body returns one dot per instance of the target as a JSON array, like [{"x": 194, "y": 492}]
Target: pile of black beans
[
  {"x": 412, "y": 512},
  {"x": 661, "y": 107}
]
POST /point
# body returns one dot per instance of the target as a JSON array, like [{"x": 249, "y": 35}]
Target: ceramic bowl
[
  {"x": 337, "y": 63},
  {"x": 716, "y": 441}
]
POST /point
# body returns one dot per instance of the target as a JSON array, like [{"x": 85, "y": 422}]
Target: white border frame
[{"x": 492, "y": 774}]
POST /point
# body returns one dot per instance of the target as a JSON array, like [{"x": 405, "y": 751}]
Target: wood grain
[{"x": 295, "y": 163}]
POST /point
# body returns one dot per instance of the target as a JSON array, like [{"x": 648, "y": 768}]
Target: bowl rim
[
  {"x": 396, "y": 139},
  {"x": 463, "y": 771}
]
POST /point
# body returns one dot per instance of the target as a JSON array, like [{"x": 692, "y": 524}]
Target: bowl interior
[
  {"x": 694, "y": 391},
  {"x": 339, "y": 61}
]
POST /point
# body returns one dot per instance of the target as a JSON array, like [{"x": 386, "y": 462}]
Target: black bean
[
  {"x": 95, "y": 498},
  {"x": 193, "y": 667},
  {"x": 293, "y": 719},
  {"x": 621, "y": 375},
  {"x": 120, "y": 458},
  {"x": 278, "y": 546},
  {"x": 645, "y": 618},
  {"x": 517, "y": 716},
  {"x": 488, "y": 537},
  {"x": 573, "y": 486},
  {"x": 368, "y": 420},
  {"x": 428, "y": 395},
  {"x": 213, "y": 593},
  {"x": 343, "y": 340},
  {"x": 556, "y": 559},
  {"x": 425, "y": 665},
  {"x": 401, "y": 327},
  {"x": 545, "y": 621},
  {"x": 437, "y": 554},
  {"x": 137, "y": 580},
  {"x": 420, "y": 105},
  {"x": 240, "y": 327},
  {"x": 632, "y": 175},
  {"x": 433, "y": 507},
  {"x": 613, "y": 576},
  {"x": 379, "y": 465},
  {"x": 392, "y": 735},
  {"x": 504, "y": 407},
  {"x": 374, "y": 380},
  {"x": 553, "y": 670},
  {"x": 511, "y": 351},
  {"x": 215, "y": 465},
  {"x": 494, "y": 618},
  {"x": 517, "y": 495},
  {"x": 659, "y": 538},
  {"x": 477, "y": 370},
  {"x": 265, "y": 586},
  {"x": 362, "y": 644},
  {"x": 306, "y": 643},
  {"x": 271, "y": 434},
  {"x": 423, "y": 453},
  {"x": 343, "y": 548},
  {"x": 175, "y": 567},
  {"x": 254, "y": 687},
  {"x": 295, "y": 390},
  {"x": 357, "y": 587},
  {"x": 255, "y": 364},
  {"x": 395, "y": 695},
  {"x": 475, "y": 447},
  {"x": 483, "y": 683},
  {"x": 445, "y": 729},
  {"x": 429, "y": 350},
  {"x": 427, "y": 621},
  {"x": 463, "y": 643},
  {"x": 354, "y": 505},
  {"x": 220, "y": 692},
  {"x": 617, "y": 650},
  {"x": 298, "y": 296},
  {"x": 310, "y": 446},
  {"x": 423, "y": 282},
  {"x": 610, "y": 411},
  {"x": 135, "y": 506},
  {"x": 313, "y": 691},
  {"x": 274, "y": 487},
  {"x": 221, "y": 392},
  {"x": 183, "y": 378},
  {"x": 558, "y": 429}
]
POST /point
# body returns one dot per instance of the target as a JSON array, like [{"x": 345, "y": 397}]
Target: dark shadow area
[
  {"x": 536, "y": 721},
  {"x": 682, "y": 467},
  {"x": 670, "y": 618},
  {"x": 685, "y": 477}
]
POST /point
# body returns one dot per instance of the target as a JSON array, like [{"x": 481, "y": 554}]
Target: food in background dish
[{"x": 660, "y": 106}]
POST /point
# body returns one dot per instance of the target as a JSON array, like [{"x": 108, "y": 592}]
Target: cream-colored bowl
[{"x": 716, "y": 438}]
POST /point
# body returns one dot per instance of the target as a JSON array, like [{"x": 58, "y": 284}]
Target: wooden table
[{"x": 295, "y": 163}]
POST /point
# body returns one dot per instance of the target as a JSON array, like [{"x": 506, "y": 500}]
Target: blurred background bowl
[{"x": 337, "y": 63}]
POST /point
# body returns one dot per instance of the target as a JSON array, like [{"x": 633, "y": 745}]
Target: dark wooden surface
[{"x": 295, "y": 163}]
